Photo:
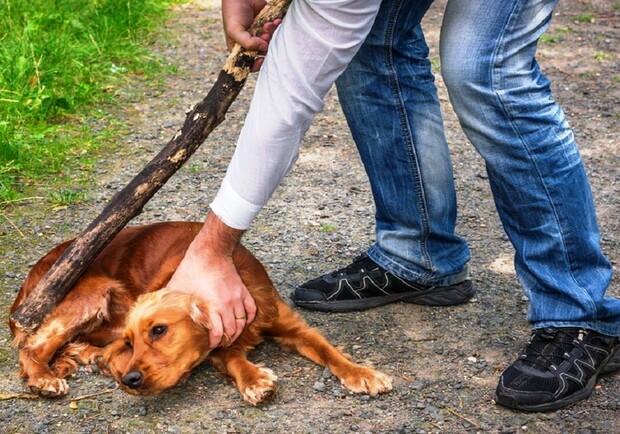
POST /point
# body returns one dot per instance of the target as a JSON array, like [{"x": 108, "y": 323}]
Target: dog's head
[{"x": 166, "y": 336}]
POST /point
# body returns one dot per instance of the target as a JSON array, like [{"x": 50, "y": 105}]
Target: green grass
[
  {"x": 585, "y": 18},
  {"x": 549, "y": 39},
  {"x": 59, "y": 60},
  {"x": 327, "y": 228},
  {"x": 66, "y": 196},
  {"x": 602, "y": 56}
]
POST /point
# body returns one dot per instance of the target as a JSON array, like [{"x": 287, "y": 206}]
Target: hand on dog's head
[{"x": 166, "y": 336}]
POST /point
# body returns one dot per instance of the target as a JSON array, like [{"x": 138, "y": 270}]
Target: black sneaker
[
  {"x": 558, "y": 366},
  {"x": 364, "y": 284}
]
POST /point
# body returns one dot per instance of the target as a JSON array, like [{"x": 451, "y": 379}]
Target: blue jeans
[{"x": 506, "y": 109}]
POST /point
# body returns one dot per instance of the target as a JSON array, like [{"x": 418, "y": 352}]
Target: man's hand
[
  {"x": 238, "y": 16},
  {"x": 207, "y": 270}
]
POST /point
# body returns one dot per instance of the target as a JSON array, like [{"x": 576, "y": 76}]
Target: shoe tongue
[
  {"x": 547, "y": 334},
  {"x": 559, "y": 336},
  {"x": 360, "y": 262}
]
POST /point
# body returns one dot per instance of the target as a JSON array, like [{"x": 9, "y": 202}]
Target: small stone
[
  {"x": 339, "y": 392},
  {"x": 319, "y": 386}
]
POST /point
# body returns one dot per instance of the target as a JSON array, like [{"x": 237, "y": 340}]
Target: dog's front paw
[
  {"x": 262, "y": 389},
  {"x": 49, "y": 387},
  {"x": 361, "y": 379},
  {"x": 64, "y": 367}
]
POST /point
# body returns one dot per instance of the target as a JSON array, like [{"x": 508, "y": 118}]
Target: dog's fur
[{"x": 149, "y": 339}]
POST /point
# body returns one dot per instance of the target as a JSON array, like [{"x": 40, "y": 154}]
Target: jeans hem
[
  {"x": 423, "y": 277},
  {"x": 600, "y": 327}
]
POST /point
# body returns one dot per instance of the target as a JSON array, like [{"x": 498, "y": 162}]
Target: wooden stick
[{"x": 128, "y": 203}]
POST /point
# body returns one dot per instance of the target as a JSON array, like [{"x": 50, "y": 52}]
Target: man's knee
[{"x": 464, "y": 73}]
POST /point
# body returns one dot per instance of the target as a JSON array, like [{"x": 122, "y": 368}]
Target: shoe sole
[
  {"x": 511, "y": 402},
  {"x": 612, "y": 364},
  {"x": 448, "y": 296}
]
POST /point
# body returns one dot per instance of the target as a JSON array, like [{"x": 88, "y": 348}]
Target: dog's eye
[
  {"x": 158, "y": 331},
  {"x": 128, "y": 344}
]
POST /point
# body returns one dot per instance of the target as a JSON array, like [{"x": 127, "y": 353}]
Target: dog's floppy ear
[{"x": 199, "y": 313}]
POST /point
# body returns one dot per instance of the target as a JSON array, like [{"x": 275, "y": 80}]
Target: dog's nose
[{"x": 132, "y": 379}]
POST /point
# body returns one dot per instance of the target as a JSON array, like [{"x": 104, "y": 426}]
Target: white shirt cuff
[{"x": 232, "y": 209}]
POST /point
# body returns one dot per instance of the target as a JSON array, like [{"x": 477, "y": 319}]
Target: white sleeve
[{"x": 311, "y": 48}]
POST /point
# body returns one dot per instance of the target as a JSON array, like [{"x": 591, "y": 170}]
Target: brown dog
[{"x": 149, "y": 338}]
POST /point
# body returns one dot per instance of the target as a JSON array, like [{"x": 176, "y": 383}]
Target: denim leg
[
  {"x": 390, "y": 101},
  {"x": 542, "y": 194}
]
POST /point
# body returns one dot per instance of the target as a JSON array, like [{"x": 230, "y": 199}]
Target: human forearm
[{"x": 216, "y": 237}]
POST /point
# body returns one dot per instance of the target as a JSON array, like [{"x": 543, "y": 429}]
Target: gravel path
[{"x": 445, "y": 361}]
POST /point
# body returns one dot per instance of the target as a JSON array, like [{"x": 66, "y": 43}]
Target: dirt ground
[{"x": 445, "y": 361}]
